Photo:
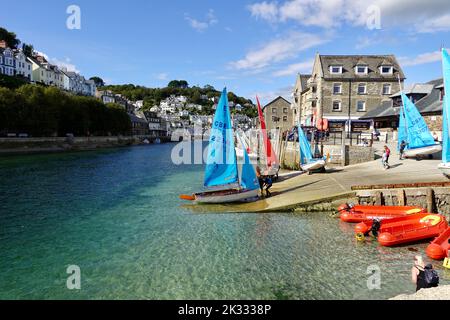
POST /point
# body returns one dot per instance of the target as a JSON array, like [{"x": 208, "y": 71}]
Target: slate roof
[
  {"x": 277, "y": 98},
  {"x": 431, "y": 103},
  {"x": 349, "y": 62}
]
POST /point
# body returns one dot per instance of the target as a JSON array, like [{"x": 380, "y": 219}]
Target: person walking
[
  {"x": 268, "y": 184},
  {"x": 403, "y": 146},
  {"x": 260, "y": 180},
  {"x": 385, "y": 158}
]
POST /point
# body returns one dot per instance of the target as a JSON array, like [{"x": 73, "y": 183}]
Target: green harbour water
[{"x": 116, "y": 214}]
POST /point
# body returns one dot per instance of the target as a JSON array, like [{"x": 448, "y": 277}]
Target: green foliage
[
  {"x": 98, "y": 81},
  {"x": 47, "y": 111},
  {"x": 9, "y": 37},
  {"x": 183, "y": 84},
  {"x": 12, "y": 82},
  {"x": 153, "y": 96},
  {"x": 28, "y": 49}
]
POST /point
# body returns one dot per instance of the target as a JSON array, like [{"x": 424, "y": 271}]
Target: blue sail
[
  {"x": 402, "y": 135},
  {"x": 445, "y": 107},
  {"x": 305, "y": 148},
  {"x": 419, "y": 135},
  {"x": 221, "y": 164},
  {"x": 249, "y": 181}
]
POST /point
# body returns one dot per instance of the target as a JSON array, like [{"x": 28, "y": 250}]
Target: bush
[{"x": 47, "y": 111}]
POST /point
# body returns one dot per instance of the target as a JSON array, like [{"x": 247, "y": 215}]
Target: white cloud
[
  {"x": 278, "y": 50},
  {"x": 264, "y": 10},
  {"x": 201, "y": 26},
  {"x": 162, "y": 76},
  {"x": 436, "y": 25},
  {"x": 267, "y": 96},
  {"x": 424, "y": 58},
  {"x": 301, "y": 67},
  {"x": 66, "y": 64},
  {"x": 422, "y": 16}
]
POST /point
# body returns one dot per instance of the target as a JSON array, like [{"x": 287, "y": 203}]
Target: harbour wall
[
  {"x": 15, "y": 146},
  {"x": 435, "y": 199},
  {"x": 338, "y": 155}
]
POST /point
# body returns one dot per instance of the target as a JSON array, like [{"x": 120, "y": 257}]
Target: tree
[
  {"x": 98, "y": 81},
  {"x": 9, "y": 37},
  {"x": 28, "y": 49},
  {"x": 183, "y": 84}
]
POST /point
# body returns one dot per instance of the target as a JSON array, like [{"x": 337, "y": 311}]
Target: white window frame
[
  {"x": 391, "y": 69},
  {"x": 340, "y": 106},
  {"x": 390, "y": 89},
  {"x": 274, "y": 111},
  {"x": 365, "y": 88},
  {"x": 335, "y": 66},
  {"x": 366, "y": 69},
  {"x": 340, "y": 88},
  {"x": 357, "y": 106}
]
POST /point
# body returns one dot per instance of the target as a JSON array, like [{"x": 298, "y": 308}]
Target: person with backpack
[{"x": 424, "y": 277}]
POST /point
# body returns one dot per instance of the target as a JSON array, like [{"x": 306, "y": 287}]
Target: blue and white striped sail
[
  {"x": 445, "y": 107},
  {"x": 249, "y": 181},
  {"x": 418, "y": 134},
  {"x": 306, "y": 155},
  {"x": 221, "y": 164}
]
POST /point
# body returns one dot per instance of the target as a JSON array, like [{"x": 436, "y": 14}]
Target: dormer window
[
  {"x": 386, "y": 69},
  {"x": 336, "y": 69},
  {"x": 362, "y": 69}
]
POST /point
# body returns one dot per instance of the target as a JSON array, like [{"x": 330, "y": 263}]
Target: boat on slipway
[
  {"x": 224, "y": 182},
  {"x": 445, "y": 165},
  {"x": 440, "y": 247},
  {"x": 415, "y": 132},
  {"x": 307, "y": 161}
]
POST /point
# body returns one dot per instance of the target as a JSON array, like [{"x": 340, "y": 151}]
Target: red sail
[{"x": 272, "y": 158}]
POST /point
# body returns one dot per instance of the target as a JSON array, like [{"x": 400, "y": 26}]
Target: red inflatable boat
[
  {"x": 355, "y": 214},
  {"x": 439, "y": 248},
  {"x": 406, "y": 229}
]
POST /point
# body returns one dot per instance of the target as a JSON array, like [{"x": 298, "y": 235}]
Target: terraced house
[
  {"x": 343, "y": 88},
  {"x": 7, "y": 62}
]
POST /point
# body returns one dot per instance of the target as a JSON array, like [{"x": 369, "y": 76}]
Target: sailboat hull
[
  {"x": 315, "y": 165},
  {"x": 411, "y": 153},
  {"x": 445, "y": 169},
  {"x": 226, "y": 196}
]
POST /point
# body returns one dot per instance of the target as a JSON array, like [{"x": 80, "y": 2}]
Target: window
[
  {"x": 335, "y": 69},
  {"x": 441, "y": 94},
  {"x": 362, "y": 88},
  {"x": 337, "y": 106},
  {"x": 337, "y": 88},
  {"x": 386, "y": 89},
  {"x": 386, "y": 69},
  {"x": 285, "y": 119},
  {"x": 361, "y": 106},
  {"x": 274, "y": 110},
  {"x": 285, "y": 110},
  {"x": 362, "y": 69}
]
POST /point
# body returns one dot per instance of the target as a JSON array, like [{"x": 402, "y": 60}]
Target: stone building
[
  {"x": 343, "y": 88},
  {"x": 278, "y": 114},
  {"x": 428, "y": 98}
]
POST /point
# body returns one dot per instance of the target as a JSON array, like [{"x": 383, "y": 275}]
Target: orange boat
[
  {"x": 439, "y": 248},
  {"x": 405, "y": 229},
  {"x": 358, "y": 213}
]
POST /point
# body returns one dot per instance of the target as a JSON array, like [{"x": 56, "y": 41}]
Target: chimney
[{"x": 3, "y": 44}]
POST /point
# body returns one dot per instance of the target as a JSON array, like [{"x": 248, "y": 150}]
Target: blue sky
[{"x": 252, "y": 47}]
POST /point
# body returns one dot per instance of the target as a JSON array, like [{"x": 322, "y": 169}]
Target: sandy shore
[{"x": 439, "y": 293}]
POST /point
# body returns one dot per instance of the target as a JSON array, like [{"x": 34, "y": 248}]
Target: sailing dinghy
[
  {"x": 307, "y": 161},
  {"x": 414, "y": 131},
  {"x": 222, "y": 179},
  {"x": 269, "y": 158},
  {"x": 445, "y": 165}
]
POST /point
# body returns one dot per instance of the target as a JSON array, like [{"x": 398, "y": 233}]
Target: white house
[
  {"x": 23, "y": 66},
  {"x": 166, "y": 107}
]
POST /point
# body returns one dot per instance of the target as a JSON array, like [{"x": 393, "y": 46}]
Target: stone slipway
[{"x": 300, "y": 190}]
